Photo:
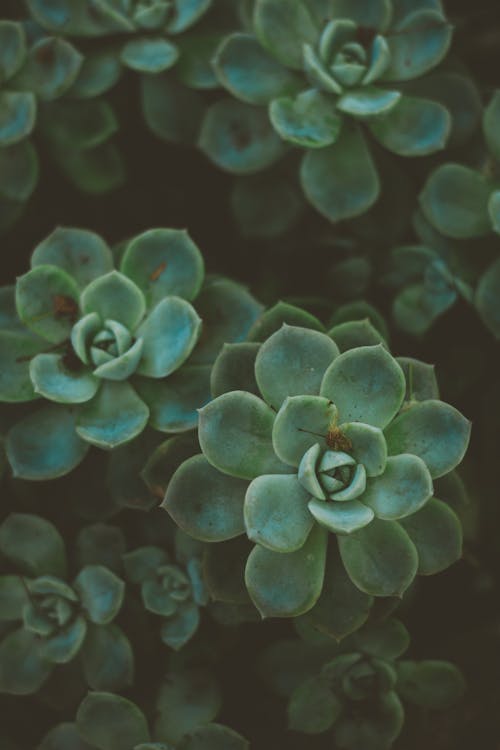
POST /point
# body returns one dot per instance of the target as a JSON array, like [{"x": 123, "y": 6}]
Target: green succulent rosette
[
  {"x": 186, "y": 706},
  {"x": 357, "y": 690},
  {"x": 323, "y": 460},
  {"x": 35, "y": 70},
  {"x": 149, "y": 38},
  {"x": 49, "y": 622},
  {"x": 169, "y": 590},
  {"x": 110, "y": 351},
  {"x": 332, "y": 73}
]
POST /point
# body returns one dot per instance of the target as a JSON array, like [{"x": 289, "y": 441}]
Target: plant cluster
[{"x": 249, "y": 314}]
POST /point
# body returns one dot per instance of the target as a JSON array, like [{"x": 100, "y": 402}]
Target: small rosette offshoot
[{"x": 329, "y": 461}]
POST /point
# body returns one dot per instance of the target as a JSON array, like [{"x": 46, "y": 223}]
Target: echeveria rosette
[
  {"x": 332, "y": 73},
  {"x": 149, "y": 28},
  {"x": 51, "y": 622},
  {"x": 108, "y": 350},
  {"x": 359, "y": 694},
  {"x": 168, "y": 590},
  {"x": 105, "y": 721},
  {"x": 321, "y": 446},
  {"x": 32, "y": 73}
]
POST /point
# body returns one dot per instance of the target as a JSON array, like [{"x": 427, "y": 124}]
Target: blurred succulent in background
[
  {"x": 463, "y": 201},
  {"x": 358, "y": 689},
  {"x": 60, "y": 621},
  {"x": 106, "y": 347},
  {"x": 185, "y": 709},
  {"x": 304, "y": 447},
  {"x": 34, "y": 70},
  {"x": 172, "y": 589},
  {"x": 332, "y": 73},
  {"x": 427, "y": 286}
]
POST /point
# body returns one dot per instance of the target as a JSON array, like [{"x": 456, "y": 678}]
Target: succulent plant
[
  {"x": 172, "y": 591},
  {"x": 111, "y": 351},
  {"x": 427, "y": 285},
  {"x": 60, "y": 621},
  {"x": 331, "y": 73},
  {"x": 105, "y": 721},
  {"x": 461, "y": 201},
  {"x": 33, "y": 71},
  {"x": 304, "y": 446},
  {"x": 359, "y": 688}
]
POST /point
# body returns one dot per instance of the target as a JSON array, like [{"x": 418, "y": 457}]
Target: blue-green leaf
[
  {"x": 276, "y": 513},
  {"x": 248, "y": 72},
  {"x": 366, "y": 385},
  {"x": 205, "y": 503},
  {"x": 292, "y": 362},
  {"x": 432, "y": 430},
  {"x": 235, "y": 433},
  {"x": 380, "y": 559},
  {"x": 45, "y": 445},
  {"x": 341, "y": 181},
  {"x": 287, "y": 584},
  {"x": 114, "y": 416}
]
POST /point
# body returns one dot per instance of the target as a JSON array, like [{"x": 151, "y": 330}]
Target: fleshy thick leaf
[
  {"x": 341, "y": 181},
  {"x": 436, "y": 532},
  {"x": 233, "y": 370},
  {"x": 82, "y": 254},
  {"x": 248, "y": 72},
  {"x": 34, "y": 544},
  {"x": 283, "y": 26},
  {"x": 169, "y": 333},
  {"x": 287, "y": 584},
  {"x": 110, "y": 722},
  {"x": 235, "y": 433},
  {"x": 114, "y": 416},
  {"x": 292, "y": 362},
  {"x": 47, "y": 302},
  {"x": 431, "y": 683},
  {"x": 163, "y": 262},
  {"x": 107, "y": 658},
  {"x": 51, "y": 67},
  {"x": 309, "y": 120},
  {"x": 16, "y": 351},
  {"x": 413, "y": 127},
  {"x": 115, "y": 297},
  {"x": 455, "y": 201},
  {"x": 366, "y": 385},
  {"x": 187, "y": 700},
  {"x": 22, "y": 670},
  {"x": 432, "y": 430},
  {"x": 276, "y": 512},
  {"x": 301, "y": 422},
  {"x": 487, "y": 298},
  {"x": 419, "y": 42},
  {"x": 239, "y": 138},
  {"x": 380, "y": 559},
  {"x": 174, "y": 403},
  {"x": 56, "y": 382},
  {"x": 17, "y": 116},
  {"x": 45, "y": 445},
  {"x": 403, "y": 488},
  {"x": 149, "y": 54},
  {"x": 313, "y": 707},
  {"x": 101, "y": 593},
  {"x": 205, "y": 503}
]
